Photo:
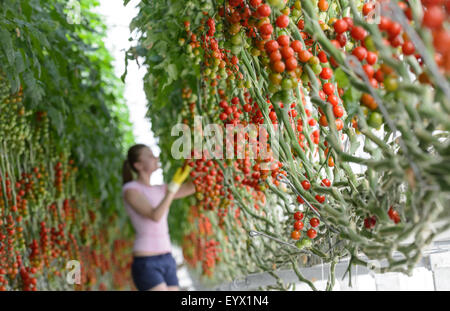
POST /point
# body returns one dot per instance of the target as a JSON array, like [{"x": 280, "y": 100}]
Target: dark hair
[{"x": 128, "y": 164}]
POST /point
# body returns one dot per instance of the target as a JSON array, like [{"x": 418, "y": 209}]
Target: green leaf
[
  {"x": 341, "y": 78},
  {"x": 7, "y": 45},
  {"x": 56, "y": 119},
  {"x": 172, "y": 71}
]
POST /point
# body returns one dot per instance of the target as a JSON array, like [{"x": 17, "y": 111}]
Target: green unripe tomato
[
  {"x": 375, "y": 120},
  {"x": 370, "y": 45},
  {"x": 390, "y": 83},
  {"x": 265, "y": 60},
  {"x": 365, "y": 110},
  {"x": 305, "y": 77},
  {"x": 349, "y": 46},
  {"x": 317, "y": 68},
  {"x": 275, "y": 78},
  {"x": 294, "y": 82},
  {"x": 296, "y": 13},
  {"x": 286, "y": 96},
  {"x": 307, "y": 243},
  {"x": 273, "y": 88},
  {"x": 236, "y": 39},
  {"x": 303, "y": 243},
  {"x": 255, "y": 52},
  {"x": 314, "y": 60},
  {"x": 236, "y": 49},
  {"x": 277, "y": 3},
  {"x": 286, "y": 84},
  {"x": 283, "y": 33}
]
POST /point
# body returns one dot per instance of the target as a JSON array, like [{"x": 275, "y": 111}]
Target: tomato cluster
[{"x": 43, "y": 224}]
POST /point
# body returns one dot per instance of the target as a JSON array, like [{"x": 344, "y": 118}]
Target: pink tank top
[{"x": 151, "y": 236}]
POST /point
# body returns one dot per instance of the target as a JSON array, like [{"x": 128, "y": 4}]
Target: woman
[{"x": 153, "y": 267}]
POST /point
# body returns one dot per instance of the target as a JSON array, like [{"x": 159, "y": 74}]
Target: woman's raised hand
[{"x": 178, "y": 178}]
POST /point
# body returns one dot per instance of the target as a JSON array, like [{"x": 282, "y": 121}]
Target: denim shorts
[{"x": 149, "y": 271}]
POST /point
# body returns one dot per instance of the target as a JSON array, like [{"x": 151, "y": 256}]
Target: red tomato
[
  {"x": 283, "y": 40},
  {"x": 282, "y": 21},
  {"x": 394, "y": 29},
  {"x": 264, "y": 10},
  {"x": 322, "y": 95},
  {"x": 358, "y": 33},
  {"x": 408, "y": 48},
  {"x": 371, "y": 58},
  {"x": 266, "y": 29},
  {"x": 367, "y": 8},
  {"x": 433, "y": 17},
  {"x": 333, "y": 99},
  {"x": 326, "y": 73},
  {"x": 223, "y": 116},
  {"x": 328, "y": 88},
  {"x": 295, "y": 235},
  {"x": 326, "y": 182},
  {"x": 275, "y": 56},
  {"x": 360, "y": 53},
  {"x": 323, "y": 5},
  {"x": 271, "y": 46},
  {"x": 291, "y": 63},
  {"x": 273, "y": 115},
  {"x": 338, "y": 111},
  {"x": 322, "y": 57},
  {"x": 349, "y": 22},
  {"x": 385, "y": 23},
  {"x": 339, "y": 126},
  {"x": 287, "y": 52},
  {"x": 311, "y": 233},
  {"x": 296, "y": 46},
  {"x": 320, "y": 198},
  {"x": 369, "y": 71},
  {"x": 342, "y": 39},
  {"x": 279, "y": 66},
  {"x": 306, "y": 185},
  {"x": 255, "y": 3},
  {"x": 304, "y": 56},
  {"x": 340, "y": 26},
  {"x": 314, "y": 222},
  {"x": 298, "y": 225}
]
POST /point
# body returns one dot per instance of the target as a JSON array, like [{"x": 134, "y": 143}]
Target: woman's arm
[
  {"x": 185, "y": 190},
  {"x": 141, "y": 205}
]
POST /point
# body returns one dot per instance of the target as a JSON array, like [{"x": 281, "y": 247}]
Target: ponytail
[
  {"x": 128, "y": 164},
  {"x": 127, "y": 174}
]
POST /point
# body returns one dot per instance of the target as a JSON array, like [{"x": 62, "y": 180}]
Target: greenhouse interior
[{"x": 225, "y": 145}]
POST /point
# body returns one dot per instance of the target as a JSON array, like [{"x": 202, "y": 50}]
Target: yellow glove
[{"x": 179, "y": 177}]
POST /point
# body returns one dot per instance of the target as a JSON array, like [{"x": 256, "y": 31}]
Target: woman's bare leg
[
  {"x": 173, "y": 288},
  {"x": 160, "y": 287}
]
